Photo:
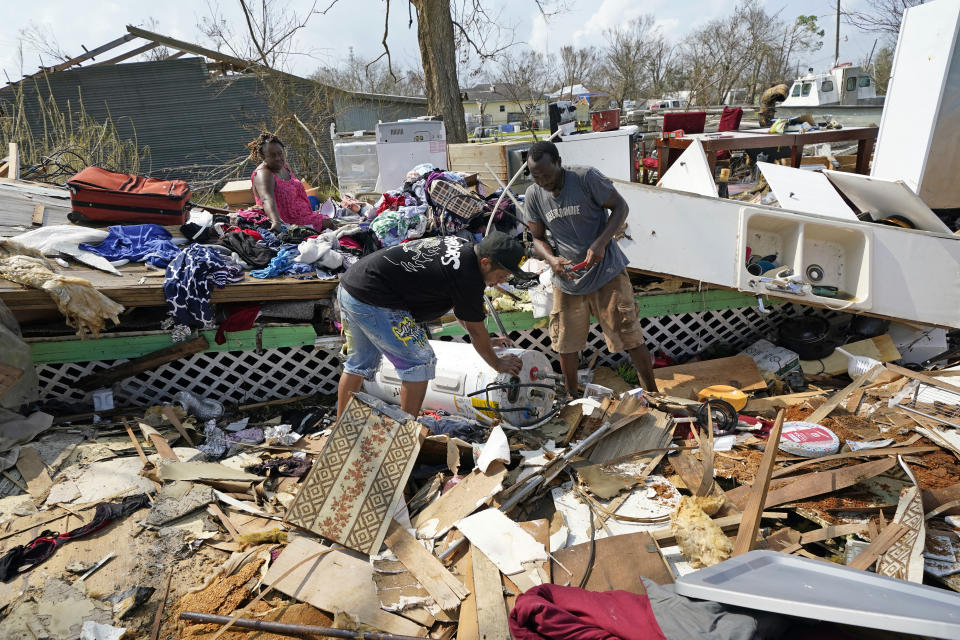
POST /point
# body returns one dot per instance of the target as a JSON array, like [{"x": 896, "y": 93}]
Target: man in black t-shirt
[{"x": 385, "y": 295}]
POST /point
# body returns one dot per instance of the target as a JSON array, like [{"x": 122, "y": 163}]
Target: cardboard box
[{"x": 238, "y": 193}]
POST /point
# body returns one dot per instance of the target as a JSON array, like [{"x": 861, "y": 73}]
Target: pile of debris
[{"x": 198, "y": 521}]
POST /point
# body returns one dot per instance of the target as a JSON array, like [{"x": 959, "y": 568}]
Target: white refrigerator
[{"x": 403, "y": 145}]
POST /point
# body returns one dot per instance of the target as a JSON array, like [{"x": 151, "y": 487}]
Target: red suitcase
[{"x": 98, "y": 194}]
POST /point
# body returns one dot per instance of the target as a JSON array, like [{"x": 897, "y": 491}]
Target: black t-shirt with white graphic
[{"x": 426, "y": 277}]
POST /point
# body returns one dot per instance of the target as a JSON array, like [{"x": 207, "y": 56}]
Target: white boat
[{"x": 843, "y": 85}]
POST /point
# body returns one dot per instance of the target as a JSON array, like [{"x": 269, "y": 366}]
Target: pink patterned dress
[{"x": 293, "y": 207}]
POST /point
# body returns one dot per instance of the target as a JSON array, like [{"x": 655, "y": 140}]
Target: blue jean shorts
[{"x": 373, "y": 332}]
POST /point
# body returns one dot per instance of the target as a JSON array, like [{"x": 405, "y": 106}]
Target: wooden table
[
  {"x": 128, "y": 291},
  {"x": 761, "y": 138}
]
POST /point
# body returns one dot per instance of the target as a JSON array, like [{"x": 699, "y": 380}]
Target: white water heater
[{"x": 461, "y": 383}]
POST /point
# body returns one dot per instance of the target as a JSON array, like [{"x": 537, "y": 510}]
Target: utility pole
[{"x": 836, "y": 49}]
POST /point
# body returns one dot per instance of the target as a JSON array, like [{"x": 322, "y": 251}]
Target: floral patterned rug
[{"x": 358, "y": 477}]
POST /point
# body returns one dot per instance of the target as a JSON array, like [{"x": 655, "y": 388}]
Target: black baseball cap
[{"x": 506, "y": 251}]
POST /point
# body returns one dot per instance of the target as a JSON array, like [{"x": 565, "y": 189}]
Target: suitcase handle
[{"x": 127, "y": 182}]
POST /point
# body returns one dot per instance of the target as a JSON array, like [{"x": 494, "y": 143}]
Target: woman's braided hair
[{"x": 256, "y": 145}]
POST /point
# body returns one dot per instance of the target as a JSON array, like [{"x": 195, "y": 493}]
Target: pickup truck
[{"x": 668, "y": 104}]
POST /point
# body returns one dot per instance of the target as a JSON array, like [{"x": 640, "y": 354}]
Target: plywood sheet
[
  {"x": 620, "y": 562},
  {"x": 879, "y": 348},
  {"x": 336, "y": 581},
  {"x": 685, "y": 380},
  {"x": 469, "y": 494},
  {"x": 360, "y": 473}
]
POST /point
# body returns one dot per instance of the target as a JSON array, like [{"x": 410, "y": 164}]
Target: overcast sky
[{"x": 359, "y": 24}]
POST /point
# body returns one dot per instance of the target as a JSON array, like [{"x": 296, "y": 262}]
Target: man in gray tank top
[{"x": 572, "y": 203}]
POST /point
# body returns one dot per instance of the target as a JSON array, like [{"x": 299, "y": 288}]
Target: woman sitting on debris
[{"x": 275, "y": 188}]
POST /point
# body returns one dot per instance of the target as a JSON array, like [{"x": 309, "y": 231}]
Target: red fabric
[
  {"x": 730, "y": 119},
  {"x": 346, "y": 242},
  {"x": 242, "y": 316},
  {"x": 689, "y": 121},
  {"x": 651, "y": 163},
  {"x": 392, "y": 202},
  {"x": 551, "y": 611}
]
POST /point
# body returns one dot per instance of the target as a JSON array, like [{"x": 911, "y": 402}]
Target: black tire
[{"x": 723, "y": 414}]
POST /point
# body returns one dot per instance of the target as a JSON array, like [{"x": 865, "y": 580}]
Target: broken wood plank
[
  {"x": 834, "y": 401},
  {"x": 488, "y": 589},
  {"x": 865, "y": 559},
  {"x": 34, "y": 472},
  {"x": 106, "y": 377},
  {"x": 814, "y": 484},
  {"x": 467, "y": 625},
  {"x": 159, "y": 442},
  {"x": 651, "y": 430},
  {"x": 666, "y": 538},
  {"x": 215, "y": 510},
  {"x": 924, "y": 378},
  {"x": 445, "y": 589},
  {"x": 175, "y": 421},
  {"x": 474, "y": 490},
  {"x": 761, "y": 405},
  {"x": 747, "y": 532},
  {"x": 618, "y": 563},
  {"x": 13, "y": 161},
  {"x": 862, "y": 453},
  {"x": 36, "y": 219},
  {"x": 690, "y": 471},
  {"x": 133, "y": 439},
  {"x": 833, "y": 531},
  {"x": 685, "y": 380}
]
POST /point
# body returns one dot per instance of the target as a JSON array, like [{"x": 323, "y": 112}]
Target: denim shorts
[{"x": 372, "y": 332}]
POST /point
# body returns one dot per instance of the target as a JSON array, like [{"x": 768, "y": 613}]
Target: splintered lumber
[
  {"x": 760, "y": 405},
  {"x": 824, "y": 410},
  {"x": 813, "y": 484},
  {"x": 865, "y": 559},
  {"x": 834, "y": 531},
  {"x": 691, "y": 472},
  {"x": 445, "y": 589},
  {"x": 175, "y": 421},
  {"x": 747, "y": 533},
  {"x": 106, "y": 377},
  {"x": 862, "y": 453},
  {"x": 475, "y": 489},
  {"x": 488, "y": 590},
  {"x": 37, "y": 218},
  {"x": 924, "y": 378}
]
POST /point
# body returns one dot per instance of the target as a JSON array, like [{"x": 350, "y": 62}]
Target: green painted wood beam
[
  {"x": 651, "y": 306},
  {"x": 112, "y": 348}
]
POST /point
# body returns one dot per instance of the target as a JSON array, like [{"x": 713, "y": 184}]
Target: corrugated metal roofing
[{"x": 187, "y": 118}]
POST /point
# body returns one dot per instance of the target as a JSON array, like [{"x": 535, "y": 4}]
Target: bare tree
[
  {"x": 882, "y": 16},
  {"x": 41, "y": 40},
  {"x": 269, "y": 37},
  {"x": 356, "y": 74},
  {"x": 880, "y": 67},
  {"x": 625, "y": 69},
  {"x": 577, "y": 65},
  {"x": 524, "y": 76},
  {"x": 157, "y": 53}
]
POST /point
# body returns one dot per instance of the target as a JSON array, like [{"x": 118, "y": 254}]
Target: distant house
[
  {"x": 197, "y": 109},
  {"x": 499, "y": 103}
]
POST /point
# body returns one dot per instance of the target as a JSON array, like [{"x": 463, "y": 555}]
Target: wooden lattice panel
[{"x": 250, "y": 376}]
